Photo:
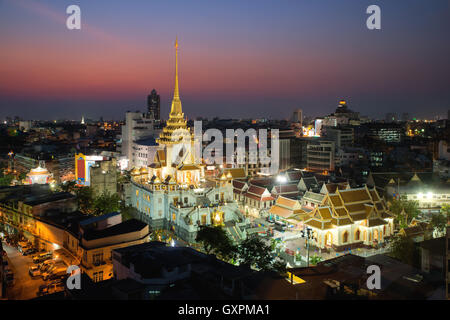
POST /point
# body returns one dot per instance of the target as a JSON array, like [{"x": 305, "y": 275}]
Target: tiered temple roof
[{"x": 349, "y": 206}]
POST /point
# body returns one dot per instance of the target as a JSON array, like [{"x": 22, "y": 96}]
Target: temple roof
[{"x": 176, "y": 129}]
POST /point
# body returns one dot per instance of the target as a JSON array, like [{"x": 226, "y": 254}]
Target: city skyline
[{"x": 246, "y": 63}]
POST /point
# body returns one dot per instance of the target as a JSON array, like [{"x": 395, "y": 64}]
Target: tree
[
  {"x": 127, "y": 212},
  {"x": 279, "y": 266},
  {"x": 216, "y": 241},
  {"x": 315, "y": 259},
  {"x": 123, "y": 178},
  {"x": 85, "y": 199},
  {"x": 5, "y": 180},
  {"x": 404, "y": 211},
  {"x": 255, "y": 253},
  {"x": 405, "y": 250},
  {"x": 439, "y": 222},
  {"x": 68, "y": 186},
  {"x": 411, "y": 210},
  {"x": 106, "y": 203},
  {"x": 445, "y": 210}
]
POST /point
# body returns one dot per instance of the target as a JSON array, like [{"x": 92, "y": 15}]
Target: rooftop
[{"x": 132, "y": 225}]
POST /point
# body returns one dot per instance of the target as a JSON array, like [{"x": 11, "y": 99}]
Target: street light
[{"x": 281, "y": 179}]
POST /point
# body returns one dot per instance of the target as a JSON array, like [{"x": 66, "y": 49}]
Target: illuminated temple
[{"x": 172, "y": 193}]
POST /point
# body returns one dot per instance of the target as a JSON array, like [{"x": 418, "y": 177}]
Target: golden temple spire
[
  {"x": 171, "y": 133},
  {"x": 176, "y": 102}
]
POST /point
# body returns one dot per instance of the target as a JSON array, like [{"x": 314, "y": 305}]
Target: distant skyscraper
[
  {"x": 406, "y": 116},
  {"x": 153, "y": 104},
  {"x": 391, "y": 117},
  {"x": 297, "y": 116}
]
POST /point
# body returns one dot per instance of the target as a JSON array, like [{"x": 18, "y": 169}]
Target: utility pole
[{"x": 307, "y": 235}]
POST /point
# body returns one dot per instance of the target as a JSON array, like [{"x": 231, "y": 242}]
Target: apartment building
[{"x": 320, "y": 155}]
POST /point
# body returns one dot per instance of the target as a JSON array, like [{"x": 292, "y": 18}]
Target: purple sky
[{"x": 238, "y": 59}]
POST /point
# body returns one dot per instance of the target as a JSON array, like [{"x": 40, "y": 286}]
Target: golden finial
[{"x": 176, "y": 103}]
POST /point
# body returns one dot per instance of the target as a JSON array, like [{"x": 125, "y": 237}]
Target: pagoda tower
[{"x": 176, "y": 136}]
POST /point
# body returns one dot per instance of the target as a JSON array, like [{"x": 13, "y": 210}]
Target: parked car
[
  {"x": 42, "y": 257},
  {"x": 57, "y": 272},
  {"x": 34, "y": 271},
  {"x": 50, "y": 265},
  {"x": 44, "y": 266},
  {"x": 29, "y": 251},
  {"x": 56, "y": 286},
  {"x": 43, "y": 289},
  {"x": 23, "y": 246}
]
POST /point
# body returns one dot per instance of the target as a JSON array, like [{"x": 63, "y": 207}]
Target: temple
[
  {"x": 349, "y": 219},
  {"x": 172, "y": 193}
]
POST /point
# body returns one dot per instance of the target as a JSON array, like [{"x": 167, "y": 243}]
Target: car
[
  {"x": 57, "y": 272},
  {"x": 42, "y": 257},
  {"x": 47, "y": 267},
  {"x": 43, "y": 289},
  {"x": 56, "y": 286},
  {"x": 23, "y": 246},
  {"x": 29, "y": 251},
  {"x": 34, "y": 271},
  {"x": 44, "y": 266}
]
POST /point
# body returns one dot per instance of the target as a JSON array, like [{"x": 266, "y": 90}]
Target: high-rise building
[
  {"x": 406, "y": 116},
  {"x": 153, "y": 105},
  {"x": 342, "y": 136},
  {"x": 387, "y": 132},
  {"x": 320, "y": 155},
  {"x": 391, "y": 117},
  {"x": 137, "y": 126},
  {"x": 297, "y": 116}
]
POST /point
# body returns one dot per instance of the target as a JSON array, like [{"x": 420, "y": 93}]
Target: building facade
[{"x": 320, "y": 155}]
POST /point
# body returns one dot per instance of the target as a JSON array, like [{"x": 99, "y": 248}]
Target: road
[{"x": 24, "y": 287}]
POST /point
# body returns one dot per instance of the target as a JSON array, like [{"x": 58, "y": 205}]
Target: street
[{"x": 25, "y": 287}]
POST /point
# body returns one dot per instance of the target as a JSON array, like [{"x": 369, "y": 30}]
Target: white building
[
  {"x": 137, "y": 126},
  {"x": 144, "y": 152},
  {"x": 429, "y": 196}
]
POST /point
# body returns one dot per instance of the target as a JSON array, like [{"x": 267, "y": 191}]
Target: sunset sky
[{"x": 240, "y": 59}]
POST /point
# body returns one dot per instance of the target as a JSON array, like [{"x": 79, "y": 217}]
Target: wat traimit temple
[{"x": 172, "y": 192}]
